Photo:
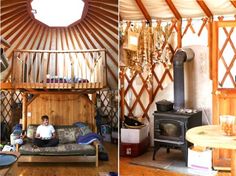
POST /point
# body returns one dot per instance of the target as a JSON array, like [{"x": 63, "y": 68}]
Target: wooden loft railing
[{"x": 48, "y": 69}]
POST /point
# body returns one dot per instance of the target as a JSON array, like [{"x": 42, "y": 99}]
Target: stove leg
[
  {"x": 185, "y": 153},
  {"x": 154, "y": 152},
  {"x": 168, "y": 150}
]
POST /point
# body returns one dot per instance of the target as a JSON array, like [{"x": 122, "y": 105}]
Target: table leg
[{"x": 233, "y": 163}]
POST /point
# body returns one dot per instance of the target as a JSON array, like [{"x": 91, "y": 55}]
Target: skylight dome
[{"x": 57, "y": 13}]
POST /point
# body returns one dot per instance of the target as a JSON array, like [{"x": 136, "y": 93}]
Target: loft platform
[{"x": 37, "y": 70}]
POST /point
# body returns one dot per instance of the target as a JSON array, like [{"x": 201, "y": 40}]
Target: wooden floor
[
  {"x": 72, "y": 169},
  {"x": 127, "y": 169}
]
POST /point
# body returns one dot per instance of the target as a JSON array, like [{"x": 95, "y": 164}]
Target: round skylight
[{"x": 57, "y": 13}]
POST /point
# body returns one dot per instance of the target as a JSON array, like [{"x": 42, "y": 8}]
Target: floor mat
[
  {"x": 172, "y": 161},
  {"x": 107, "y": 174}
]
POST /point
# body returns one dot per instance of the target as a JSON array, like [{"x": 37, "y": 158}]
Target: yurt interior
[
  {"x": 177, "y": 73},
  {"x": 118, "y": 87},
  {"x": 59, "y": 69}
]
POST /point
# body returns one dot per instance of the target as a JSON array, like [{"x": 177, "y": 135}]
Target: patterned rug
[{"x": 172, "y": 161}]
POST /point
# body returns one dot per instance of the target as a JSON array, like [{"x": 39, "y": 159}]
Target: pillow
[
  {"x": 31, "y": 131},
  {"x": 84, "y": 128},
  {"x": 83, "y": 131},
  {"x": 66, "y": 134},
  {"x": 80, "y": 124}
]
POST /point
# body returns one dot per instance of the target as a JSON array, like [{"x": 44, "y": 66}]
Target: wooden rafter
[
  {"x": 204, "y": 7},
  {"x": 143, "y": 10},
  {"x": 173, "y": 9},
  {"x": 32, "y": 99},
  {"x": 233, "y": 2}
]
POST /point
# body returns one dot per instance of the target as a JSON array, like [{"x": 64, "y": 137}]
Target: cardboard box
[
  {"x": 201, "y": 160},
  {"x": 134, "y": 136}
]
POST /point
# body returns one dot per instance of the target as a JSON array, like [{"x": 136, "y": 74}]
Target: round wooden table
[{"x": 212, "y": 136}]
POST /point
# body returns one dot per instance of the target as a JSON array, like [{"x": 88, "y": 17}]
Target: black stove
[{"x": 170, "y": 128}]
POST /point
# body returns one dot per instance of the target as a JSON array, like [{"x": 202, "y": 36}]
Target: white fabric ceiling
[{"x": 129, "y": 9}]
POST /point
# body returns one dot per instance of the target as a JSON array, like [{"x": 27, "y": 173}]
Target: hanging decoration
[{"x": 144, "y": 46}]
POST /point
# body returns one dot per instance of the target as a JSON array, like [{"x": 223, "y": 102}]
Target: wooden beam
[
  {"x": 59, "y": 51},
  {"x": 6, "y": 86},
  {"x": 32, "y": 99},
  {"x": 143, "y": 10},
  {"x": 173, "y": 9},
  {"x": 105, "y": 6},
  {"x": 204, "y": 7},
  {"x": 120, "y": 17},
  {"x": 210, "y": 44},
  {"x": 109, "y": 26},
  {"x": 233, "y": 2},
  {"x": 24, "y": 111},
  {"x": 179, "y": 33}
]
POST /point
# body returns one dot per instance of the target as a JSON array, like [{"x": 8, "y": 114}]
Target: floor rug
[
  {"x": 172, "y": 161},
  {"x": 107, "y": 174}
]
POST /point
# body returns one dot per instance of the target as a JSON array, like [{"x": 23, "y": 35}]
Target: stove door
[{"x": 169, "y": 129}]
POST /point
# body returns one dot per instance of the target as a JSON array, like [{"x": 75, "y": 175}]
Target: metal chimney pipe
[{"x": 180, "y": 57}]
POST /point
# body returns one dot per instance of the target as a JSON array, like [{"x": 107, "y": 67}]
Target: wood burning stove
[{"x": 170, "y": 128}]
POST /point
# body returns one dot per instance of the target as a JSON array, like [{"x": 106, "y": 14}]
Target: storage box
[
  {"x": 130, "y": 149},
  {"x": 134, "y": 136},
  {"x": 200, "y": 159}
]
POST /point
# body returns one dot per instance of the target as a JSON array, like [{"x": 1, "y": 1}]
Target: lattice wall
[
  {"x": 10, "y": 108},
  {"x": 109, "y": 106},
  {"x": 227, "y": 57},
  {"x": 138, "y": 92}
]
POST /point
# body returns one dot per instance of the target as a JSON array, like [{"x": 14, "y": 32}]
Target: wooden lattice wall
[
  {"x": 11, "y": 104},
  {"x": 147, "y": 91},
  {"x": 109, "y": 106}
]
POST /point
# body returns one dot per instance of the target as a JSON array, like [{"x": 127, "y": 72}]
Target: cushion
[
  {"x": 61, "y": 149},
  {"x": 84, "y": 131},
  {"x": 84, "y": 128},
  {"x": 80, "y": 124},
  {"x": 66, "y": 134},
  {"x": 31, "y": 131}
]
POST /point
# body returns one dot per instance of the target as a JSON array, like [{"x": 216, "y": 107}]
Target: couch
[{"x": 66, "y": 151}]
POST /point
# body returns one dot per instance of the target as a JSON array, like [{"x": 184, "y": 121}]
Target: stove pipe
[{"x": 182, "y": 55}]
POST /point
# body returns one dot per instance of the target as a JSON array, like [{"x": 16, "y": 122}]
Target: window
[{"x": 57, "y": 13}]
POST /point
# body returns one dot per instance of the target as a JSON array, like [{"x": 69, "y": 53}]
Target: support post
[
  {"x": 210, "y": 40},
  {"x": 233, "y": 162},
  {"x": 94, "y": 100},
  {"x": 122, "y": 93},
  {"x": 24, "y": 110}
]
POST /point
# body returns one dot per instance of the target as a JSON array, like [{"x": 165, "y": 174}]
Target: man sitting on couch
[{"x": 45, "y": 134}]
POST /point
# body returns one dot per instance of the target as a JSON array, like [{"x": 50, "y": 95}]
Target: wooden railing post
[
  {"x": 104, "y": 71},
  {"x": 32, "y": 69}
]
